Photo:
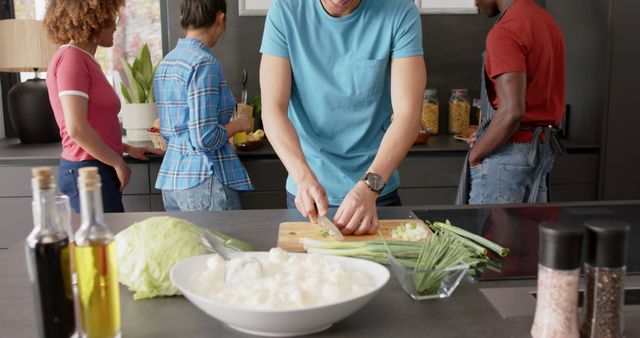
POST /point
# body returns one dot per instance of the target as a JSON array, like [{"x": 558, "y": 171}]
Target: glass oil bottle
[
  {"x": 48, "y": 261},
  {"x": 98, "y": 292}
]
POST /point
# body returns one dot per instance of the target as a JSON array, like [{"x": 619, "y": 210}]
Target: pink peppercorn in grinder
[
  {"x": 605, "y": 270},
  {"x": 560, "y": 248}
]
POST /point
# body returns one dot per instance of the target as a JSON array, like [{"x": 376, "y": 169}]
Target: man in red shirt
[{"x": 524, "y": 97}]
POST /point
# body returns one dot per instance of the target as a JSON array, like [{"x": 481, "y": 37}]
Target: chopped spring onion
[{"x": 410, "y": 232}]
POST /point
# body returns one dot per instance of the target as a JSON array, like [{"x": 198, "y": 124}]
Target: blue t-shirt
[{"x": 340, "y": 96}]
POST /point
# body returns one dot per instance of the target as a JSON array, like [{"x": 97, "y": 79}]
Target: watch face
[{"x": 375, "y": 181}]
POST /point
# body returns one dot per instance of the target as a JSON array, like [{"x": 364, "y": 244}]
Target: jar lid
[
  {"x": 460, "y": 91},
  {"x": 607, "y": 243},
  {"x": 431, "y": 92},
  {"x": 560, "y": 245}
]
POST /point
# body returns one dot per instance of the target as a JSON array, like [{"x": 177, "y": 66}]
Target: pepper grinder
[
  {"x": 559, "y": 253},
  {"x": 605, "y": 269}
]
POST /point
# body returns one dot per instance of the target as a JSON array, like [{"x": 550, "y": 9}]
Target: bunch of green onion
[{"x": 448, "y": 246}]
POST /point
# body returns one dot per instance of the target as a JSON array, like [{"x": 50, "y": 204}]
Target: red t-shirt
[
  {"x": 72, "y": 71},
  {"x": 528, "y": 40}
]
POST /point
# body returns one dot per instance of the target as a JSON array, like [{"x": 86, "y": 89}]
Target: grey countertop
[
  {"x": 390, "y": 314},
  {"x": 12, "y": 152}
]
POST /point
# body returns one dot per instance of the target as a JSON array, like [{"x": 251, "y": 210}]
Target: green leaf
[
  {"x": 150, "y": 96},
  {"x": 136, "y": 89},
  {"x": 125, "y": 93},
  {"x": 140, "y": 92},
  {"x": 140, "y": 76},
  {"x": 146, "y": 66}
]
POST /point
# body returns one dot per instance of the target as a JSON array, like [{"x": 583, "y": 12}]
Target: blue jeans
[
  {"x": 68, "y": 184},
  {"x": 210, "y": 195},
  {"x": 505, "y": 176},
  {"x": 391, "y": 199}
]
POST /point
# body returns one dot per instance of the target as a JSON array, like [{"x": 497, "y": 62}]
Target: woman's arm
[{"x": 77, "y": 124}]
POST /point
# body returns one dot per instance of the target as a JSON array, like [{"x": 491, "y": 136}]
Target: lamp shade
[{"x": 25, "y": 46}]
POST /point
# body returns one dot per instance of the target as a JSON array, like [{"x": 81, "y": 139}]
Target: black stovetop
[{"x": 517, "y": 229}]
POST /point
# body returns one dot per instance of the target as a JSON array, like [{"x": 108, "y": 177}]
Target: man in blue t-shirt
[{"x": 332, "y": 73}]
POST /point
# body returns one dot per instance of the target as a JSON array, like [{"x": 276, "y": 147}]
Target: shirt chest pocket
[{"x": 366, "y": 78}]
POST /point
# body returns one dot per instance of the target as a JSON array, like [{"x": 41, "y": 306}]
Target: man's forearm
[
  {"x": 408, "y": 80},
  {"x": 286, "y": 144},
  {"x": 498, "y": 133},
  {"x": 395, "y": 145},
  {"x": 511, "y": 89}
]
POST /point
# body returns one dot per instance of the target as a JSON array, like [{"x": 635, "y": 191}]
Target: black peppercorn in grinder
[{"x": 605, "y": 269}]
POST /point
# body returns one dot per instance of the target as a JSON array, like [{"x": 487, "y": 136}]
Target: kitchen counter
[
  {"x": 392, "y": 313},
  {"x": 13, "y": 152},
  {"x": 429, "y": 175}
]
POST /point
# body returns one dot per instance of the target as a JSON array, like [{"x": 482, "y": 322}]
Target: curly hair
[{"x": 79, "y": 20}]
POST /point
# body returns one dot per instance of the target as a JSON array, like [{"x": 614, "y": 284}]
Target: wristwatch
[{"x": 374, "y": 181}]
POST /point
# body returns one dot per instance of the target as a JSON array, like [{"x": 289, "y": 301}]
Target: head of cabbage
[{"x": 146, "y": 251}]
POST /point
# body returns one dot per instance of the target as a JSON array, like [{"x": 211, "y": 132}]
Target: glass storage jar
[
  {"x": 459, "y": 111},
  {"x": 430, "y": 111}
]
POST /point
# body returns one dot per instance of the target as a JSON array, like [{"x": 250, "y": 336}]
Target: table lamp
[{"x": 25, "y": 48}]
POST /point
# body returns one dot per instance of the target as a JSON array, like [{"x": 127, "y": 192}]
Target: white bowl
[{"x": 275, "y": 323}]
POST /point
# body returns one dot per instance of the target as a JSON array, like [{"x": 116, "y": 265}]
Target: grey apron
[{"x": 550, "y": 136}]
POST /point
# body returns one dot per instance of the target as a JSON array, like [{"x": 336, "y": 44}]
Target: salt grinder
[{"x": 558, "y": 281}]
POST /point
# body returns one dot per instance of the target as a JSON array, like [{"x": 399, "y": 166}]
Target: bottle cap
[
  {"x": 460, "y": 91},
  {"x": 88, "y": 172},
  {"x": 88, "y": 177},
  {"x": 606, "y": 243},
  {"x": 560, "y": 245},
  {"x": 42, "y": 177},
  {"x": 431, "y": 92}
]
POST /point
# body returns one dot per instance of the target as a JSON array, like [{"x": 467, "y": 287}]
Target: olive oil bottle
[
  {"x": 98, "y": 292},
  {"x": 48, "y": 262}
]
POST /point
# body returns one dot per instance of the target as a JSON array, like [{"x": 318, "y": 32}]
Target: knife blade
[
  {"x": 245, "y": 94},
  {"x": 326, "y": 224}
]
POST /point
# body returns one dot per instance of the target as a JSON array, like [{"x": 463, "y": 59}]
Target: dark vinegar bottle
[{"x": 48, "y": 262}]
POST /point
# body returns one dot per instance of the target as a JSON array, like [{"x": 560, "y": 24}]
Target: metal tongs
[{"x": 326, "y": 224}]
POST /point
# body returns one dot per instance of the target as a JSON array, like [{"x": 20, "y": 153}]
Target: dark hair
[{"x": 201, "y": 13}]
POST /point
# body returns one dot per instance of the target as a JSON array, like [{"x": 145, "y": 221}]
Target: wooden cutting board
[{"x": 289, "y": 233}]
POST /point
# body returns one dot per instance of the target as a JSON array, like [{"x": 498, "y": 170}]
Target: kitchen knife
[
  {"x": 245, "y": 94},
  {"x": 326, "y": 224}
]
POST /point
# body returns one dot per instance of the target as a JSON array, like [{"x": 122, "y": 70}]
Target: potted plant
[{"x": 139, "y": 110}]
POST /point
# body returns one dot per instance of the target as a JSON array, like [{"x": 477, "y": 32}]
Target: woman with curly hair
[{"x": 84, "y": 103}]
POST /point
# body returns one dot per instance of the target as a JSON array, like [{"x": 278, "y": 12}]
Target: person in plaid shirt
[{"x": 200, "y": 170}]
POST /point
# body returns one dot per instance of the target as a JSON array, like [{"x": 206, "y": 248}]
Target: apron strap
[{"x": 557, "y": 149}]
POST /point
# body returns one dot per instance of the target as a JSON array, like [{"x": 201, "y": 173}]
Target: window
[{"x": 139, "y": 23}]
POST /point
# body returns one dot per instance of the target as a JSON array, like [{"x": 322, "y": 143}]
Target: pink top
[{"x": 72, "y": 71}]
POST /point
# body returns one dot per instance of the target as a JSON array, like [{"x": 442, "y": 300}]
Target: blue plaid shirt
[{"x": 194, "y": 103}]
